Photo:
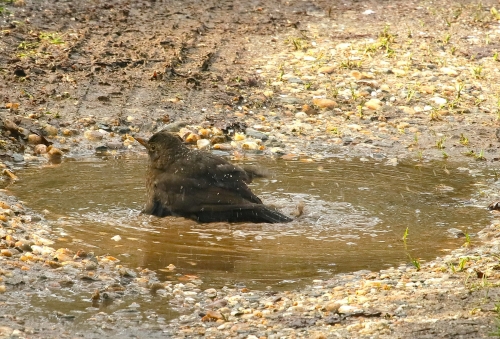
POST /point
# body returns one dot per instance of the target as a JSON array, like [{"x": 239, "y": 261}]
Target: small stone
[
  {"x": 211, "y": 293},
  {"x": 203, "y": 144},
  {"x": 223, "y": 147},
  {"x": 355, "y": 127},
  {"x": 295, "y": 80},
  {"x": 218, "y": 139},
  {"x": 356, "y": 74},
  {"x": 40, "y": 149},
  {"x": 326, "y": 69},
  {"x": 449, "y": 71},
  {"x": 373, "y": 104},
  {"x": 324, "y": 103},
  {"x": 205, "y": 133},
  {"x": 115, "y": 145},
  {"x": 93, "y": 135},
  {"x": 67, "y": 132},
  {"x": 63, "y": 254},
  {"x": 309, "y": 110},
  {"x": 24, "y": 245},
  {"x": 125, "y": 272},
  {"x": 250, "y": 145},
  {"x": 34, "y": 139},
  {"x": 123, "y": 130},
  {"x": 256, "y": 134},
  {"x": 6, "y": 253},
  {"x": 50, "y": 130},
  {"x": 398, "y": 72},
  {"x": 427, "y": 89},
  {"x": 212, "y": 316},
  {"x": 192, "y": 138},
  {"x": 90, "y": 266},
  {"x": 439, "y": 101},
  {"x": 54, "y": 78},
  {"x": 301, "y": 115},
  {"x": 349, "y": 309},
  {"x": 175, "y": 126},
  {"x": 392, "y": 162},
  {"x": 239, "y": 137},
  {"x": 456, "y": 233},
  {"x": 318, "y": 335},
  {"x": 54, "y": 154},
  {"x": 343, "y": 46},
  {"x": 407, "y": 110},
  {"x": 10, "y": 174},
  {"x": 385, "y": 88},
  {"x": 262, "y": 128},
  {"x": 332, "y": 307},
  {"x": 18, "y": 157}
]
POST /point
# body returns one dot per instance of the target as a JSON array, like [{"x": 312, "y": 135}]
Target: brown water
[{"x": 356, "y": 213}]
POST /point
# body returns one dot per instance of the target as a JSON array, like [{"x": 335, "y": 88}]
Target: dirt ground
[{"x": 379, "y": 79}]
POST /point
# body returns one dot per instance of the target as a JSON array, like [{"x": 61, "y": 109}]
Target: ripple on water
[{"x": 355, "y": 215}]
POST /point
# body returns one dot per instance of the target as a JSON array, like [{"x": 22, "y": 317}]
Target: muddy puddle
[{"x": 356, "y": 213}]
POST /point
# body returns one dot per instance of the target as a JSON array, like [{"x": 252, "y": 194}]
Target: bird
[{"x": 199, "y": 185}]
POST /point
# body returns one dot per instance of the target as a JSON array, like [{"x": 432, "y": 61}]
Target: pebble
[
  {"x": 439, "y": 101},
  {"x": 18, "y": 157},
  {"x": 327, "y": 69},
  {"x": 332, "y": 307},
  {"x": 67, "y": 132},
  {"x": 50, "y": 130},
  {"x": 114, "y": 145},
  {"x": 262, "y": 128},
  {"x": 54, "y": 154},
  {"x": 449, "y": 71},
  {"x": 373, "y": 104},
  {"x": 325, "y": 103},
  {"x": 455, "y": 232},
  {"x": 256, "y": 134},
  {"x": 93, "y": 135},
  {"x": 192, "y": 138},
  {"x": 301, "y": 115},
  {"x": 175, "y": 126},
  {"x": 40, "y": 149},
  {"x": 239, "y": 137},
  {"x": 218, "y": 139},
  {"x": 34, "y": 139},
  {"x": 6, "y": 253},
  {"x": 356, "y": 74},
  {"x": 250, "y": 145},
  {"x": 428, "y": 89},
  {"x": 203, "y": 144},
  {"x": 223, "y": 147},
  {"x": 349, "y": 309}
]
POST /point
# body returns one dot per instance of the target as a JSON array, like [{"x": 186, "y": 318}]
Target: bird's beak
[{"x": 142, "y": 141}]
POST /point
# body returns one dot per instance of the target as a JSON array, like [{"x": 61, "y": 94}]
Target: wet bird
[{"x": 199, "y": 185}]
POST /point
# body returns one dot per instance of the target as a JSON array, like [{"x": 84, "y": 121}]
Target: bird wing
[
  {"x": 213, "y": 171},
  {"x": 191, "y": 194}
]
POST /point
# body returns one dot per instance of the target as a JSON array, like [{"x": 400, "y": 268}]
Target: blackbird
[{"x": 199, "y": 185}]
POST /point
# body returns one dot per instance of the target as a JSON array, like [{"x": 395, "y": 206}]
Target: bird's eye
[{"x": 152, "y": 148}]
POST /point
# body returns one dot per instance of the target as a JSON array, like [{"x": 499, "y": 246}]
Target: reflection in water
[{"x": 355, "y": 216}]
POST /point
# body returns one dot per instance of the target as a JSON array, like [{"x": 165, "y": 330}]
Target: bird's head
[{"x": 161, "y": 147}]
